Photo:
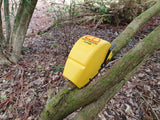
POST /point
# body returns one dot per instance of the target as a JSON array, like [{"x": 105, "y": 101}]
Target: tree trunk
[
  {"x": 1, "y": 29},
  {"x": 71, "y": 98},
  {"x": 14, "y": 40},
  {"x": 3, "y": 60},
  {"x": 130, "y": 62},
  {"x": 23, "y": 17},
  {"x": 7, "y": 21}
]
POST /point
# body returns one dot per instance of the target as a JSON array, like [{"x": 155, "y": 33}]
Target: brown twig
[
  {"x": 22, "y": 74},
  {"x": 57, "y": 78},
  {"x": 150, "y": 107},
  {"x": 22, "y": 79},
  {"x": 29, "y": 109},
  {"x": 8, "y": 75},
  {"x": 5, "y": 101},
  {"x": 24, "y": 64},
  {"x": 148, "y": 117}
]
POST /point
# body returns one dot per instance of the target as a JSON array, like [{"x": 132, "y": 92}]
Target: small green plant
[
  {"x": 41, "y": 33},
  {"x": 55, "y": 8},
  {"x": 26, "y": 49},
  {"x": 3, "y": 96},
  {"x": 104, "y": 10},
  {"x": 57, "y": 68},
  {"x": 54, "y": 45},
  {"x": 65, "y": 12},
  {"x": 108, "y": 19},
  {"x": 49, "y": 36},
  {"x": 138, "y": 1},
  {"x": 39, "y": 68}
]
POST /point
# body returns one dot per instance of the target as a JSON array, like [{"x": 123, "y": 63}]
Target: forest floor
[{"x": 25, "y": 87}]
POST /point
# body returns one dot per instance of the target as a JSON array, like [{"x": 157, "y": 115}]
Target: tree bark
[
  {"x": 137, "y": 57},
  {"x": 22, "y": 20},
  {"x": 122, "y": 40},
  {"x": 1, "y": 29},
  {"x": 3, "y": 60},
  {"x": 7, "y": 21},
  {"x": 71, "y": 98}
]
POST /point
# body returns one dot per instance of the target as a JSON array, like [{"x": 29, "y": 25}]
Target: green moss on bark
[{"x": 90, "y": 93}]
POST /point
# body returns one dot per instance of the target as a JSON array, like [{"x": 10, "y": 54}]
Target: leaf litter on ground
[{"x": 26, "y": 87}]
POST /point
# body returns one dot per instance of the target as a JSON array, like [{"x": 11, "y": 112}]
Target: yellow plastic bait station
[{"x": 86, "y": 59}]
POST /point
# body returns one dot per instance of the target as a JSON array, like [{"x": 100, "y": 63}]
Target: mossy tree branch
[
  {"x": 71, "y": 98},
  {"x": 123, "y": 39},
  {"x": 137, "y": 56}
]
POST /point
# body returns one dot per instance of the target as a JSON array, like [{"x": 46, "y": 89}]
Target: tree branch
[
  {"x": 123, "y": 39},
  {"x": 70, "y": 99},
  {"x": 91, "y": 111}
]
